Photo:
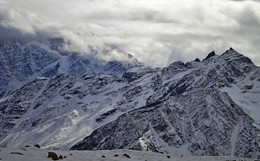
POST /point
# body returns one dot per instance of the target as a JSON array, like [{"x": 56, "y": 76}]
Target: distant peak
[
  {"x": 211, "y": 54},
  {"x": 232, "y": 54},
  {"x": 197, "y": 60},
  {"x": 230, "y": 51}
]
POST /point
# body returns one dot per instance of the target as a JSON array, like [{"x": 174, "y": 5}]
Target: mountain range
[
  {"x": 65, "y": 100},
  {"x": 23, "y": 61}
]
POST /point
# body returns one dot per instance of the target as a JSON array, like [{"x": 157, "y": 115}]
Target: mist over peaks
[{"x": 152, "y": 31}]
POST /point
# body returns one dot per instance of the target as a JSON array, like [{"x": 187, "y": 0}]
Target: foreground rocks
[
  {"x": 53, "y": 156},
  {"x": 35, "y": 154}
]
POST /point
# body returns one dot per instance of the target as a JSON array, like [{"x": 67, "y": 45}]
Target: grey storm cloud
[{"x": 153, "y": 31}]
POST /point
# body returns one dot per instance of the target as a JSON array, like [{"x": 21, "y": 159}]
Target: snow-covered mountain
[
  {"x": 197, "y": 108},
  {"x": 23, "y": 61}
]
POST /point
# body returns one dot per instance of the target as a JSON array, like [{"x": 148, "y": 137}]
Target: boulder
[
  {"x": 60, "y": 157},
  {"x": 53, "y": 156},
  {"x": 37, "y": 146},
  {"x": 126, "y": 155}
]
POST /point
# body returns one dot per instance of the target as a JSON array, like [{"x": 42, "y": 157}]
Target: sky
[{"x": 156, "y": 32}]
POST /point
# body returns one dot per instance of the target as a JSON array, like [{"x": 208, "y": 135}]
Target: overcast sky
[{"x": 156, "y": 32}]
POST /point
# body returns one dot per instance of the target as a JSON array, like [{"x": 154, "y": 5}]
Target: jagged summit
[
  {"x": 211, "y": 54},
  {"x": 236, "y": 57},
  {"x": 231, "y": 52},
  {"x": 197, "y": 60}
]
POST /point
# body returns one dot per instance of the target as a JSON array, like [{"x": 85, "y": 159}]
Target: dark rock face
[
  {"x": 192, "y": 121},
  {"x": 211, "y": 54},
  {"x": 197, "y": 60},
  {"x": 13, "y": 108},
  {"x": 131, "y": 76},
  {"x": 104, "y": 115}
]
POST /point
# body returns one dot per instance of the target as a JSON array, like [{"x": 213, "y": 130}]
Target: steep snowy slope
[
  {"x": 19, "y": 60},
  {"x": 179, "y": 109},
  {"x": 209, "y": 132},
  {"x": 199, "y": 123},
  {"x": 246, "y": 94},
  {"x": 54, "y": 112}
]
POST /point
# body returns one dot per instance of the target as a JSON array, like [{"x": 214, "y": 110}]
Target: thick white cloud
[{"x": 155, "y": 32}]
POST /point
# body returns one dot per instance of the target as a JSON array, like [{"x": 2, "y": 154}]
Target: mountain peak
[
  {"x": 233, "y": 54},
  {"x": 230, "y": 51},
  {"x": 197, "y": 60},
  {"x": 211, "y": 54}
]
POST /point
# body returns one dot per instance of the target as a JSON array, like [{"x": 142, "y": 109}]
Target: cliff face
[{"x": 205, "y": 122}]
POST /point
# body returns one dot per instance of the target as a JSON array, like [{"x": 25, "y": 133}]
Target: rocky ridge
[{"x": 185, "y": 108}]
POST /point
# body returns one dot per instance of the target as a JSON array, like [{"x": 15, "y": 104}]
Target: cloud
[{"x": 153, "y": 31}]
